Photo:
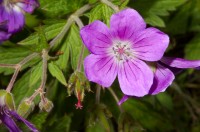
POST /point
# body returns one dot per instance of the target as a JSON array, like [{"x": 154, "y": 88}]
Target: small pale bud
[
  {"x": 46, "y": 105},
  {"x": 6, "y": 99},
  {"x": 25, "y": 108},
  {"x": 2, "y": 97}
]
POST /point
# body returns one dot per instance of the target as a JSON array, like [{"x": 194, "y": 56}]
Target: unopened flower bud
[
  {"x": 78, "y": 84},
  {"x": 46, "y": 105},
  {"x": 6, "y": 99},
  {"x": 25, "y": 108}
]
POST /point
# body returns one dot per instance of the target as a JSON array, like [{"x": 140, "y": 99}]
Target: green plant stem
[
  {"x": 111, "y": 5},
  {"x": 8, "y": 65},
  {"x": 98, "y": 94},
  {"x": 32, "y": 97},
  {"x": 41, "y": 88},
  {"x": 62, "y": 33},
  {"x": 80, "y": 25},
  {"x": 78, "y": 21},
  {"x": 68, "y": 24},
  {"x": 17, "y": 69},
  {"x": 116, "y": 98},
  {"x": 44, "y": 68}
]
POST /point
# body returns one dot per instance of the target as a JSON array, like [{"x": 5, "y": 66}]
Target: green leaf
[
  {"x": 101, "y": 12},
  {"x": 63, "y": 59},
  {"x": 39, "y": 119},
  {"x": 178, "y": 23},
  {"x": 192, "y": 48},
  {"x": 98, "y": 119},
  {"x": 22, "y": 89},
  {"x": 92, "y": 1},
  {"x": 50, "y": 32},
  {"x": 147, "y": 116},
  {"x": 75, "y": 45},
  {"x": 155, "y": 20},
  {"x": 12, "y": 54},
  {"x": 124, "y": 4},
  {"x": 55, "y": 8},
  {"x": 56, "y": 72},
  {"x": 165, "y": 100},
  {"x": 42, "y": 41},
  {"x": 96, "y": 127},
  {"x": 153, "y": 9},
  {"x": 36, "y": 73},
  {"x": 195, "y": 18},
  {"x": 62, "y": 125}
]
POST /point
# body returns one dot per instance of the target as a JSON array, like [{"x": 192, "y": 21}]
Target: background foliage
[{"x": 177, "y": 109}]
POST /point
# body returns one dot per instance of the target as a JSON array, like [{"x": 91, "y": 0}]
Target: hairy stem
[
  {"x": 115, "y": 97},
  {"x": 62, "y": 33},
  {"x": 80, "y": 25},
  {"x": 68, "y": 24},
  {"x": 12, "y": 81},
  {"x": 110, "y": 4},
  {"x": 98, "y": 94},
  {"x": 41, "y": 88},
  {"x": 17, "y": 69},
  {"x": 30, "y": 99},
  {"x": 8, "y": 65},
  {"x": 44, "y": 68}
]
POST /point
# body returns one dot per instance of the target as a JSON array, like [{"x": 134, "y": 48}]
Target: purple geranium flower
[
  {"x": 12, "y": 12},
  {"x": 7, "y": 118},
  {"x": 164, "y": 71},
  {"x": 3, "y": 32},
  {"x": 123, "y": 50}
]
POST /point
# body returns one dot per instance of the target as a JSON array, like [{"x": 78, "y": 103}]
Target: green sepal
[
  {"x": 6, "y": 99},
  {"x": 25, "y": 108},
  {"x": 46, "y": 105}
]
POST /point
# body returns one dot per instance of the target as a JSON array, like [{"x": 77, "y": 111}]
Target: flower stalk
[
  {"x": 80, "y": 25},
  {"x": 98, "y": 94},
  {"x": 68, "y": 24},
  {"x": 17, "y": 69},
  {"x": 115, "y": 97},
  {"x": 44, "y": 68},
  {"x": 41, "y": 88},
  {"x": 110, "y": 4},
  {"x": 8, "y": 65}
]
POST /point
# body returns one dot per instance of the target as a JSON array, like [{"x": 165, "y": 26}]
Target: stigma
[{"x": 121, "y": 50}]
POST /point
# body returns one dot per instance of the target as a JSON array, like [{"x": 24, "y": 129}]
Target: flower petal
[
  {"x": 125, "y": 23},
  {"x": 13, "y": 17},
  {"x": 123, "y": 99},
  {"x": 150, "y": 44},
  {"x": 28, "y": 5},
  {"x": 163, "y": 77},
  {"x": 100, "y": 69},
  {"x": 135, "y": 78},
  {"x": 180, "y": 63},
  {"x": 4, "y": 35},
  {"x": 28, "y": 124},
  {"x": 96, "y": 37},
  {"x": 9, "y": 123}
]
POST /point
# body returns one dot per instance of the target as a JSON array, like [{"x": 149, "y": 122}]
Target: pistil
[{"x": 121, "y": 50}]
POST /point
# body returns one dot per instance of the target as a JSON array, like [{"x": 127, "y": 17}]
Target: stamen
[{"x": 121, "y": 50}]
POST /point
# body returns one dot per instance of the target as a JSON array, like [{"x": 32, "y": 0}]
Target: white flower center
[
  {"x": 11, "y": 5},
  {"x": 122, "y": 50}
]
